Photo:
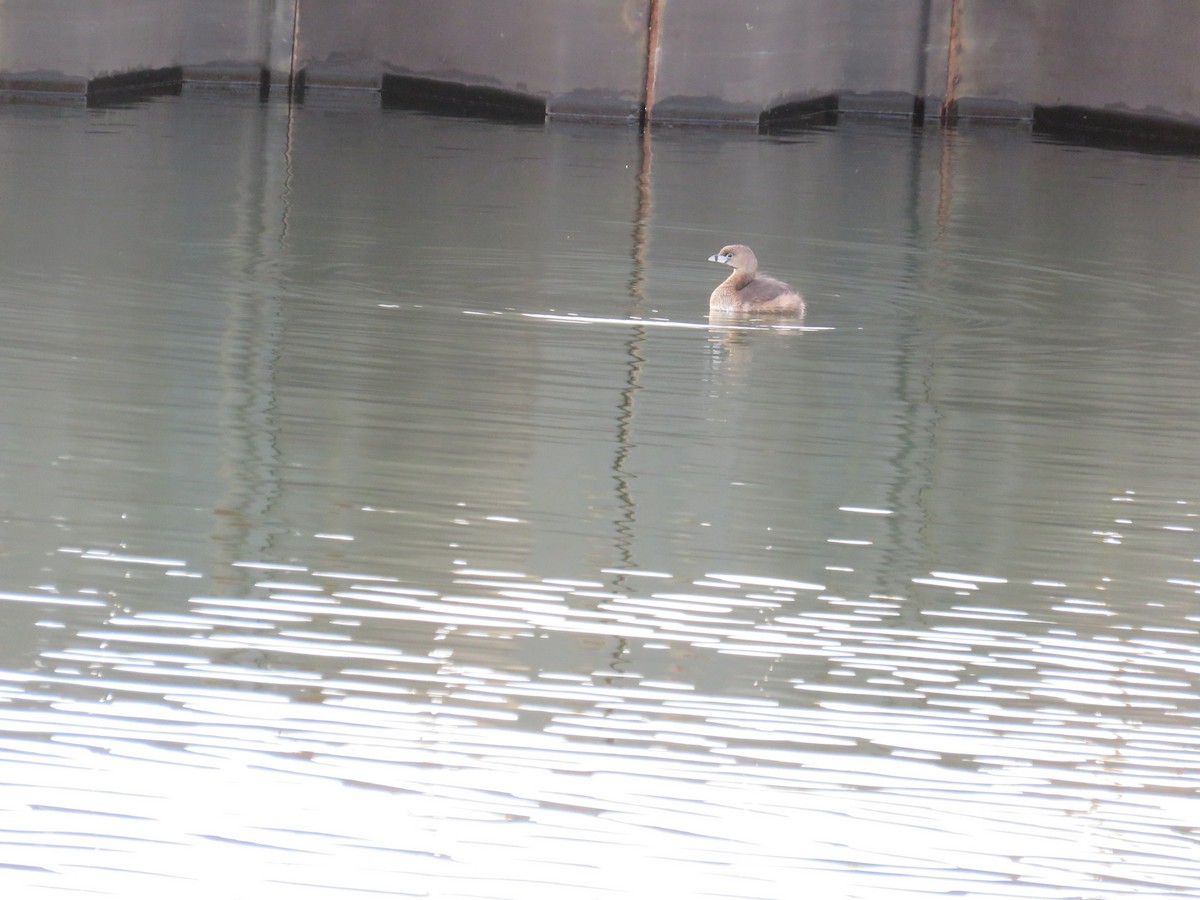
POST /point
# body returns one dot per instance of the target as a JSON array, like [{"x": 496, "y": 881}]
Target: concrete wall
[
  {"x": 737, "y": 61},
  {"x": 65, "y": 46},
  {"x": 710, "y": 60},
  {"x": 1134, "y": 58},
  {"x": 579, "y": 56}
]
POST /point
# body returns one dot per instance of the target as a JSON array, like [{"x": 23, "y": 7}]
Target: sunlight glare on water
[{"x": 382, "y": 513}]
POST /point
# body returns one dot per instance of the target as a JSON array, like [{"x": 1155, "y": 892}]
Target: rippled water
[{"x": 382, "y": 515}]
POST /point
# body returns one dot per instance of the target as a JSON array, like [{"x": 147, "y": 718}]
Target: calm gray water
[{"x": 381, "y": 514}]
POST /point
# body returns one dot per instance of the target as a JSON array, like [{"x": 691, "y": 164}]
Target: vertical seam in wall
[{"x": 921, "y": 77}]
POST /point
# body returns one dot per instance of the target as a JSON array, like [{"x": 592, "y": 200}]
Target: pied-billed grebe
[{"x": 746, "y": 290}]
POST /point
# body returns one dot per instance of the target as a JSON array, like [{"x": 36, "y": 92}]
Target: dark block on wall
[
  {"x": 451, "y": 98},
  {"x": 1111, "y": 127}
]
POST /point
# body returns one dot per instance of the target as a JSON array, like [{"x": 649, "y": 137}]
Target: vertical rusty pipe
[
  {"x": 653, "y": 49},
  {"x": 953, "y": 64},
  {"x": 292, "y": 73}
]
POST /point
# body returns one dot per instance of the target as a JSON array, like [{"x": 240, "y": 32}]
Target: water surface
[{"x": 382, "y": 514}]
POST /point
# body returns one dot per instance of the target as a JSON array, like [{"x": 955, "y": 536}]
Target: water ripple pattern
[{"x": 945, "y": 741}]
